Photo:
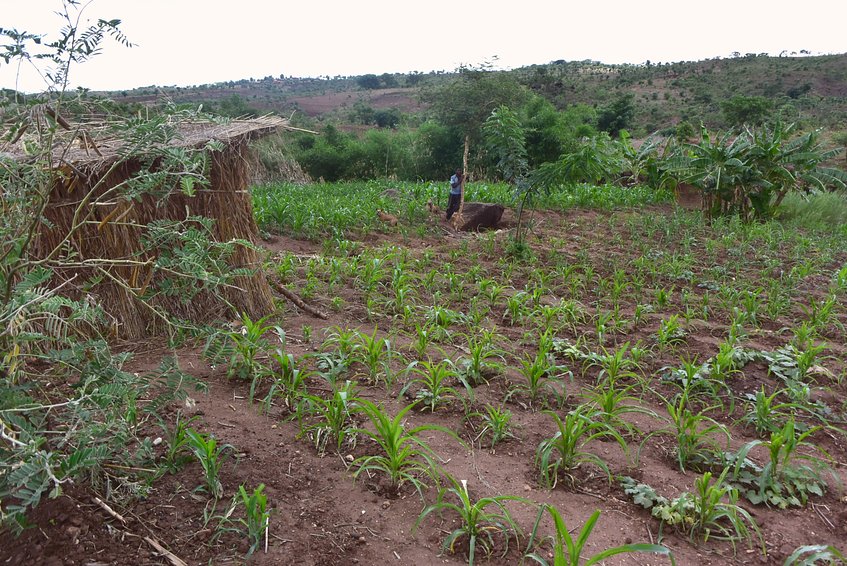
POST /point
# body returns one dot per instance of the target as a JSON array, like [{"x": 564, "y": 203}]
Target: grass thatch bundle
[{"x": 109, "y": 244}]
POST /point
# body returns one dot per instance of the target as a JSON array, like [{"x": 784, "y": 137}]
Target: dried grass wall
[{"x": 115, "y": 233}]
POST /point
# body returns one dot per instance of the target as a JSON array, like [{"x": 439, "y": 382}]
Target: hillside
[{"x": 808, "y": 89}]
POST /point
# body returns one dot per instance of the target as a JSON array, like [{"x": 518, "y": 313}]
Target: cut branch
[{"x": 298, "y": 301}]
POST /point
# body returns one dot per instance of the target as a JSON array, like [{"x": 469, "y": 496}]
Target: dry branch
[
  {"x": 172, "y": 558},
  {"x": 298, "y": 301}
]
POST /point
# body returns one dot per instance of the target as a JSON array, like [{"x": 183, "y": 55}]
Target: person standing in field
[{"x": 455, "y": 193}]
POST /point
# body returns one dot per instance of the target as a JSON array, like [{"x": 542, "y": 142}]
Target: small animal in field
[
  {"x": 389, "y": 219},
  {"x": 432, "y": 207}
]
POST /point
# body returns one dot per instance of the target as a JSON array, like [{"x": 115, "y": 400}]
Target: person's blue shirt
[{"x": 455, "y": 185}]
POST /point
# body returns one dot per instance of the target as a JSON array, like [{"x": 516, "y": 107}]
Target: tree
[
  {"x": 746, "y": 110},
  {"x": 595, "y": 160},
  {"x": 369, "y": 82},
  {"x": 505, "y": 137},
  {"x": 618, "y": 115},
  {"x": 465, "y": 102},
  {"x": 750, "y": 173},
  {"x": 387, "y": 117},
  {"x": 387, "y": 80}
]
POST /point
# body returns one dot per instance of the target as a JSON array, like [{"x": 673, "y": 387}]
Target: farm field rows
[{"x": 635, "y": 355}]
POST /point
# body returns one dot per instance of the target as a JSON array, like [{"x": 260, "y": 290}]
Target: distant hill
[{"x": 810, "y": 89}]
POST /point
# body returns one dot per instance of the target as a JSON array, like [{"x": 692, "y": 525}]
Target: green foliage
[
  {"x": 497, "y": 422},
  {"x": 233, "y": 106},
  {"x": 464, "y": 102},
  {"x": 618, "y": 115},
  {"x": 96, "y": 424},
  {"x": 505, "y": 138},
  {"x": 595, "y": 160},
  {"x": 751, "y": 173},
  {"x": 743, "y": 110},
  {"x": 257, "y": 515},
  {"x": 822, "y": 211},
  {"x": 404, "y": 457},
  {"x": 563, "y": 452},
  {"x": 710, "y": 512},
  {"x": 568, "y": 551},
  {"x": 47, "y": 322},
  {"x": 241, "y": 348},
  {"x": 211, "y": 457},
  {"x": 790, "y": 476},
  {"x": 369, "y": 81},
  {"x": 477, "y": 524}
]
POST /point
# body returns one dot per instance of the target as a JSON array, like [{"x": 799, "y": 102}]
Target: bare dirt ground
[{"x": 320, "y": 515}]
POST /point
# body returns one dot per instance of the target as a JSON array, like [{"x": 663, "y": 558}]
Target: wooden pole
[{"x": 458, "y": 218}]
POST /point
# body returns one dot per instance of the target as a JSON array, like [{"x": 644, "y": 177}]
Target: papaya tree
[{"x": 506, "y": 140}]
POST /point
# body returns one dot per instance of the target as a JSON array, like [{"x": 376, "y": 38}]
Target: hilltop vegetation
[
  {"x": 809, "y": 89},
  {"x": 402, "y": 125}
]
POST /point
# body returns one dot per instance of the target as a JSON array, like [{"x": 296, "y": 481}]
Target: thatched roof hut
[{"x": 115, "y": 227}]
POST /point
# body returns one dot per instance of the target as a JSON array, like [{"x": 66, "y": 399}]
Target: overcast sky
[{"x": 187, "y": 42}]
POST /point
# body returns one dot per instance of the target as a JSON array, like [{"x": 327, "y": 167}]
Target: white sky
[{"x": 187, "y": 42}]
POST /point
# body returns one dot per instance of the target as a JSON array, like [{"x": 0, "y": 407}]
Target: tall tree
[{"x": 465, "y": 102}]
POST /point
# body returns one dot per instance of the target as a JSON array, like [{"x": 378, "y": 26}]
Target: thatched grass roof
[{"x": 92, "y": 144}]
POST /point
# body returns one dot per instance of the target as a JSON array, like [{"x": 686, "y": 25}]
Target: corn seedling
[
  {"x": 613, "y": 400},
  {"x": 432, "y": 383},
  {"x": 789, "y": 476},
  {"x": 374, "y": 352},
  {"x": 603, "y": 324},
  {"x": 404, "y": 457},
  {"x": 497, "y": 422},
  {"x": 663, "y": 297},
  {"x": 640, "y": 314},
  {"x": 176, "y": 442},
  {"x": 541, "y": 375},
  {"x": 670, "y": 332},
  {"x": 563, "y": 452},
  {"x": 814, "y": 555},
  {"x": 480, "y": 526},
  {"x": 482, "y": 361},
  {"x": 614, "y": 365},
  {"x": 516, "y": 307},
  {"x": 343, "y": 342},
  {"x": 330, "y": 419},
  {"x": 695, "y": 433},
  {"x": 256, "y": 515},
  {"x": 765, "y": 414},
  {"x": 491, "y": 290},
  {"x": 711, "y": 512},
  {"x": 424, "y": 336},
  {"x": 289, "y": 381},
  {"x": 569, "y": 551},
  {"x": 211, "y": 458},
  {"x": 821, "y": 314},
  {"x": 242, "y": 347}
]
